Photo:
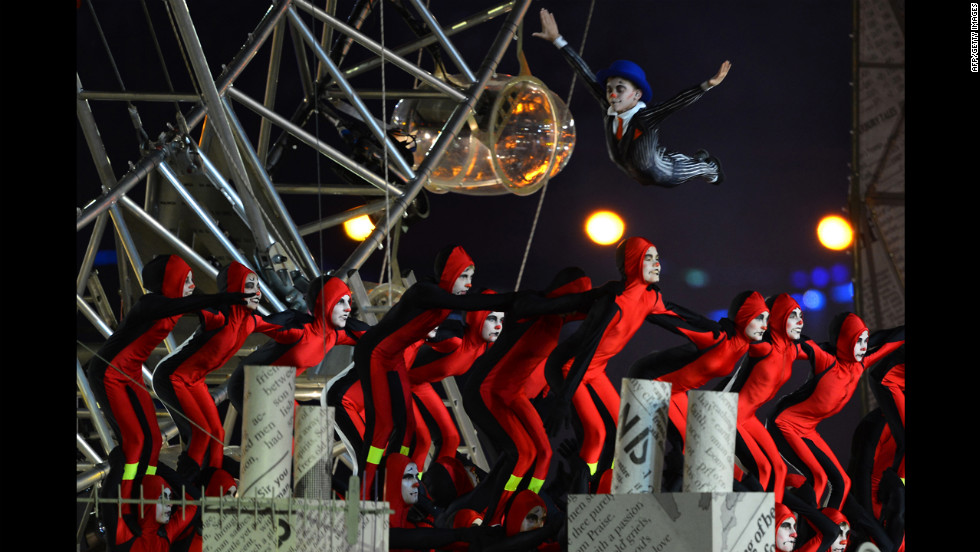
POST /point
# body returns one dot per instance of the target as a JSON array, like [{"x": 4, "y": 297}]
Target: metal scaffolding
[{"x": 206, "y": 188}]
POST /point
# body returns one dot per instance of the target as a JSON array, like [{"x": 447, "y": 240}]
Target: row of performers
[{"x": 522, "y": 386}]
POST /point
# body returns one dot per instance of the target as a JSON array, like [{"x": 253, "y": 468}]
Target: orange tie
[{"x": 619, "y": 128}]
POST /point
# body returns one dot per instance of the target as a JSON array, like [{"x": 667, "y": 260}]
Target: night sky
[{"x": 780, "y": 124}]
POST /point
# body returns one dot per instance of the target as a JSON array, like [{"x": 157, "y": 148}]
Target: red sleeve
[{"x": 894, "y": 382}]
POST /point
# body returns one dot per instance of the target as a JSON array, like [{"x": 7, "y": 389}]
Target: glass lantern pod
[{"x": 519, "y": 135}]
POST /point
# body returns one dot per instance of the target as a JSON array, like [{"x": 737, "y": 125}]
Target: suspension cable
[{"x": 568, "y": 104}]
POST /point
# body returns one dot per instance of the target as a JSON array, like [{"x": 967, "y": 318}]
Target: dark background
[{"x": 780, "y": 123}]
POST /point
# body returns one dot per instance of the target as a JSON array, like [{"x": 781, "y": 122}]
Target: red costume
[
  {"x": 154, "y": 536},
  {"x": 379, "y": 356},
  {"x": 179, "y": 379},
  {"x": 581, "y": 360},
  {"x": 305, "y": 339},
  {"x": 421, "y": 378},
  {"x": 835, "y": 376},
  {"x": 769, "y": 368},
  {"x": 116, "y": 371},
  {"x": 496, "y": 396}
]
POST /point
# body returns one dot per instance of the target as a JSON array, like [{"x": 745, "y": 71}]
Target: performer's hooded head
[
  {"x": 238, "y": 278},
  {"x": 153, "y": 513},
  {"x": 401, "y": 481},
  {"x": 746, "y": 307},
  {"x": 780, "y": 309},
  {"x": 167, "y": 275},
  {"x": 527, "y": 512},
  {"x": 845, "y": 330},
  {"x": 630, "y": 255},
  {"x": 785, "y": 535},
  {"x": 450, "y": 264},
  {"x": 324, "y": 296}
]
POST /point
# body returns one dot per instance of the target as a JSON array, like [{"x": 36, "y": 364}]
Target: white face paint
[
  {"x": 841, "y": 543},
  {"x": 163, "y": 510},
  {"x": 252, "y": 286},
  {"x": 861, "y": 347},
  {"x": 786, "y": 535},
  {"x": 621, "y": 94},
  {"x": 340, "y": 313},
  {"x": 410, "y": 484},
  {"x": 491, "y": 326},
  {"x": 189, "y": 284},
  {"x": 533, "y": 520},
  {"x": 464, "y": 281},
  {"x": 794, "y": 324},
  {"x": 756, "y": 327},
  {"x": 651, "y": 266}
]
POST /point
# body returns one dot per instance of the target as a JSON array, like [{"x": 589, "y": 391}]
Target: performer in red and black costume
[
  {"x": 887, "y": 382},
  {"x": 345, "y": 394},
  {"x": 179, "y": 379},
  {"x": 481, "y": 330},
  {"x": 633, "y": 128},
  {"x": 305, "y": 338},
  {"x": 496, "y": 394},
  {"x": 769, "y": 367},
  {"x": 409, "y": 527},
  {"x": 576, "y": 368},
  {"x": 159, "y": 523},
  {"x": 115, "y": 373},
  {"x": 379, "y": 356},
  {"x": 875, "y": 484},
  {"x": 837, "y": 369},
  {"x": 715, "y": 350}
]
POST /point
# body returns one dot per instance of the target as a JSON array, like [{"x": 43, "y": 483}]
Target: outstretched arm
[
  {"x": 549, "y": 27},
  {"x": 721, "y": 74},
  {"x": 549, "y": 31}
]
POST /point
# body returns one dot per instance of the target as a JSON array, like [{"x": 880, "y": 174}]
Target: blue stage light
[
  {"x": 820, "y": 276},
  {"x": 105, "y": 257},
  {"x": 840, "y": 273},
  {"x": 843, "y": 293},
  {"x": 813, "y": 300},
  {"x": 718, "y": 314},
  {"x": 799, "y": 279}
]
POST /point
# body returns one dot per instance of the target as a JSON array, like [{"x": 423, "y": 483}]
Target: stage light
[
  {"x": 840, "y": 274},
  {"x": 835, "y": 233},
  {"x": 718, "y": 314},
  {"x": 843, "y": 293},
  {"x": 604, "y": 227},
  {"x": 799, "y": 278},
  {"x": 813, "y": 300},
  {"x": 359, "y": 228},
  {"x": 696, "y": 278},
  {"x": 820, "y": 276},
  {"x": 519, "y": 135}
]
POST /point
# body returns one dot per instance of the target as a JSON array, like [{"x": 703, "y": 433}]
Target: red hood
[
  {"x": 152, "y": 489},
  {"x": 395, "y": 465},
  {"x": 523, "y": 503},
  {"x": 782, "y": 307},
  {"x": 165, "y": 274},
  {"x": 330, "y": 293},
  {"x": 456, "y": 263},
  {"x": 634, "y": 250},
  {"x": 850, "y": 330},
  {"x": 753, "y": 306},
  {"x": 474, "y": 322},
  {"x": 782, "y": 514},
  {"x": 221, "y": 481},
  {"x": 232, "y": 277}
]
